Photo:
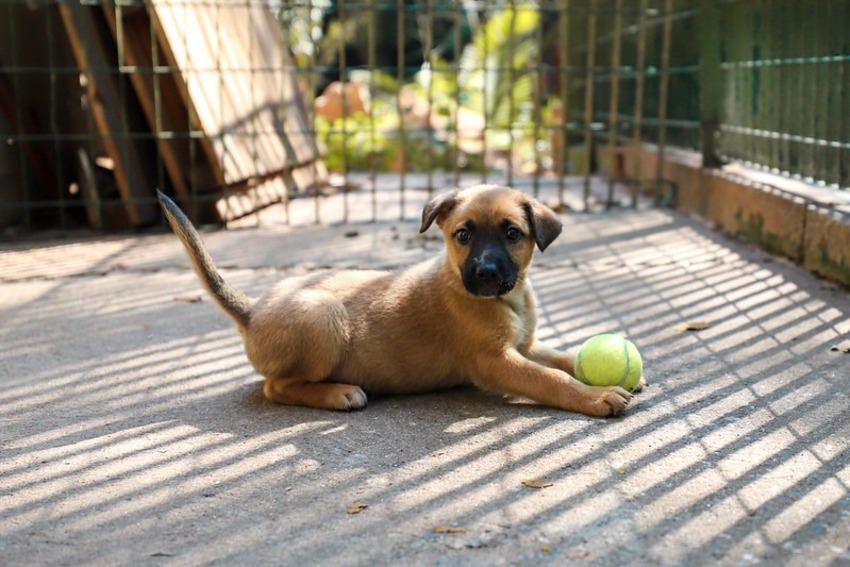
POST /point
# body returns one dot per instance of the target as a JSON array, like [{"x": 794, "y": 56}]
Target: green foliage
[
  {"x": 494, "y": 78},
  {"x": 495, "y": 75},
  {"x": 383, "y": 140}
]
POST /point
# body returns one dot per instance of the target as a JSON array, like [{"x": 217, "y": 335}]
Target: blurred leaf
[
  {"x": 692, "y": 326},
  {"x": 536, "y": 483},
  {"x": 495, "y": 76},
  {"x": 356, "y": 507},
  {"x": 446, "y": 529}
]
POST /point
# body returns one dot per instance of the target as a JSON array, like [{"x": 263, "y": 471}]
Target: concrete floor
[{"x": 133, "y": 430}]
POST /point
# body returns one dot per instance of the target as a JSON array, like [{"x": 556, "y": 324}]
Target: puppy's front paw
[{"x": 610, "y": 402}]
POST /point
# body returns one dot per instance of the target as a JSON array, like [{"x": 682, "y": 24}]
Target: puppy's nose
[{"x": 487, "y": 272}]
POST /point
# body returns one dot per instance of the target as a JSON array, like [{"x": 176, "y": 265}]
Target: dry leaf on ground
[
  {"x": 446, "y": 529},
  {"x": 536, "y": 483},
  {"x": 692, "y": 326},
  {"x": 356, "y": 507}
]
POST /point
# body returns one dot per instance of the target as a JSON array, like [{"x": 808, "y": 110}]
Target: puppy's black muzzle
[{"x": 489, "y": 271}]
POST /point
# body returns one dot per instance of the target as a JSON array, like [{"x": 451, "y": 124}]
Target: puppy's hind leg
[
  {"x": 295, "y": 341},
  {"x": 321, "y": 395}
]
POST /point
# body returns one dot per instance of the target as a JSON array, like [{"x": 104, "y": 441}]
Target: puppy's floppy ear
[
  {"x": 545, "y": 224},
  {"x": 439, "y": 206}
]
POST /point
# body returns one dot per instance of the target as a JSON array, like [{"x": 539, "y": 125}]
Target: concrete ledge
[
  {"x": 810, "y": 225},
  {"x": 827, "y": 245}
]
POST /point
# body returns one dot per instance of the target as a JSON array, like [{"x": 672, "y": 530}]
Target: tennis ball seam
[
  {"x": 627, "y": 366},
  {"x": 578, "y": 368}
]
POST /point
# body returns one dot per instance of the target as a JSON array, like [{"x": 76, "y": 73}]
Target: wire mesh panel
[
  {"x": 507, "y": 90},
  {"x": 231, "y": 105},
  {"x": 785, "y": 73},
  {"x": 196, "y": 98}
]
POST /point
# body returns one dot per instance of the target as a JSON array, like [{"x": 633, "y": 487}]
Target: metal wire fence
[
  {"x": 785, "y": 79},
  {"x": 235, "y": 104}
]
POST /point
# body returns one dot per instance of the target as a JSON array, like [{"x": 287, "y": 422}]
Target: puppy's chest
[{"x": 519, "y": 319}]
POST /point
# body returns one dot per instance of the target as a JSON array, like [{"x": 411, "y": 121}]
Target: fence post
[
  {"x": 614, "y": 103},
  {"x": 710, "y": 81},
  {"x": 663, "y": 88},
  {"x": 637, "y": 120},
  {"x": 588, "y": 100}
]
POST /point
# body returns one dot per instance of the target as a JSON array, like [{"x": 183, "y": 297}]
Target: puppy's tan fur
[{"x": 324, "y": 339}]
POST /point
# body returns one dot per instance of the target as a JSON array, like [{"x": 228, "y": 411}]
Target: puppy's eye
[
  {"x": 462, "y": 235},
  {"x": 513, "y": 234}
]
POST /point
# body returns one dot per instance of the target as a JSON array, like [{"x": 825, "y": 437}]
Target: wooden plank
[
  {"x": 109, "y": 110},
  {"x": 254, "y": 194},
  {"x": 134, "y": 44},
  {"x": 234, "y": 85},
  {"x": 191, "y": 170},
  {"x": 237, "y": 78}
]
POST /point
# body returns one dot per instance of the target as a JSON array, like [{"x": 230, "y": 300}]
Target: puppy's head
[{"x": 490, "y": 234}]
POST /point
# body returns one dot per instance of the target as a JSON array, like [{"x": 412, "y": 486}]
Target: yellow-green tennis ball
[{"x": 609, "y": 360}]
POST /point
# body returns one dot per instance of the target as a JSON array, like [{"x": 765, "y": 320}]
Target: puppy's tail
[{"x": 232, "y": 301}]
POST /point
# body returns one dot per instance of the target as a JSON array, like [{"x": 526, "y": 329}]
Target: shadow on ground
[{"x": 132, "y": 429}]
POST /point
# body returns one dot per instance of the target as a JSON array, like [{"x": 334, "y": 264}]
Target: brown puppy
[{"x": 466, "y": 316}]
